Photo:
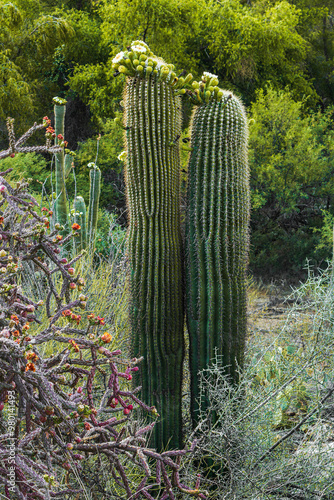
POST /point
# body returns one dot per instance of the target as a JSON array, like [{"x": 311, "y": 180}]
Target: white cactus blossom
[
  {"x": 138, "y": 48},
  {"x": 139, "y": 42},
  {"x": 119, "y": 57},
  {"x": 122, "y": 156},
  {"x": 209, "y": 75}
]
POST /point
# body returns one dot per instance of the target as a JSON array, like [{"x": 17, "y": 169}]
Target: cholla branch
[
  {"x": 16, "y": 146},
  {"x": 60, "y": 424}
]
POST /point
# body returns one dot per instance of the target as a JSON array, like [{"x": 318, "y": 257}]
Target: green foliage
[
  {"x": 254, "y": 44},
  {"x": 291, "y": 163},
  {"x": 28, "y": 166},
  {"x": 110, "y": 236},
  {"x": 110, "y": 146}
]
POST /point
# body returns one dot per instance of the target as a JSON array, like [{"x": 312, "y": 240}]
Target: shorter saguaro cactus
[{"x": 216, "y": 233}]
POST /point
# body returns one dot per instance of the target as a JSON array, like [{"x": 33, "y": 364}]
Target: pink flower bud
[
  {"x": 73, "y": 286},
  {"x": 2, "y": 188},
  {"x": 130, "y": 407},
  {"x": 126, "y": 411},
  {"x": 78, "y": 439},
  {"x": 69, "y": 446},
  {"x": 1, "y": 406},
  {"x": 63, "y": 261},
  {"x": 70, "y": 271},
  {"x": 79, "y": 390}
]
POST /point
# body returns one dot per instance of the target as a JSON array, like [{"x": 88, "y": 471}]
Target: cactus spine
[
  {"x": 216, "y": 233},
  {"x": 61, "y": 208},
  {"x": 153, "y": 126},
  {"x": 94, "y": 196}
]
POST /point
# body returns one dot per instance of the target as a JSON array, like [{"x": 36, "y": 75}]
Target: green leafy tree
[
  {"x": 28, "y": 38},
  {"x": 252, "y": 44},
  {"x": 291, "y": 177}
]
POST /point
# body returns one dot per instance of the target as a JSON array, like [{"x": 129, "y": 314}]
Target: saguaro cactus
[
  {"x": 93, "y": 207},
  {"x": 216, "y": 233},
  {"x": 62, "y": 170},
  {"x": 61, "y": 208},
  {"x": 153, "y": 127}
]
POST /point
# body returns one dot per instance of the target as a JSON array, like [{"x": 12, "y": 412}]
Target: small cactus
[
  {"x": 80, "y": 218},
  {"x": 94, "y": 196}
]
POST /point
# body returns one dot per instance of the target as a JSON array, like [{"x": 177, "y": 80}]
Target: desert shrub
[
  {"x": 273, "y": 437},
  {"x": 291, "y": 164}
]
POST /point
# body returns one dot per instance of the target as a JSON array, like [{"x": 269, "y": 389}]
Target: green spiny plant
[
  {"x": 80, "y": 218},
  {"x": 60, "y": 207},
  {"x": 94, "y": 196},
  {"x": 216, "y": 234},
  {"x": 63, "y": 167},
  {"x": 153, "y": 126}
]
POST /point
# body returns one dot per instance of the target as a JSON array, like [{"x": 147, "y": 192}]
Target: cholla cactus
[
  {"x": 216, "y": 233},
  {"x": 153, "y": 127},
  {"x": 48, "y": 422}
]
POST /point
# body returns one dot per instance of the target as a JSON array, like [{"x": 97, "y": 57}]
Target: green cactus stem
[
  {"x": 68, "y": 164},
  {"x": 80, "y": 218},
  {"x": 61, "y": 206},
  {"x": 152, "y": 124},
  {"x": 217, "y": 234},
  {"x": 93, "y": 208}
]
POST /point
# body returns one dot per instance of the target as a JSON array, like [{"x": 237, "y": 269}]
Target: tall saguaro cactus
[
  {"x": 153, "y": 127},
  {"x": 216, "y": 233},
  {"x": 61, "y": 208}
]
